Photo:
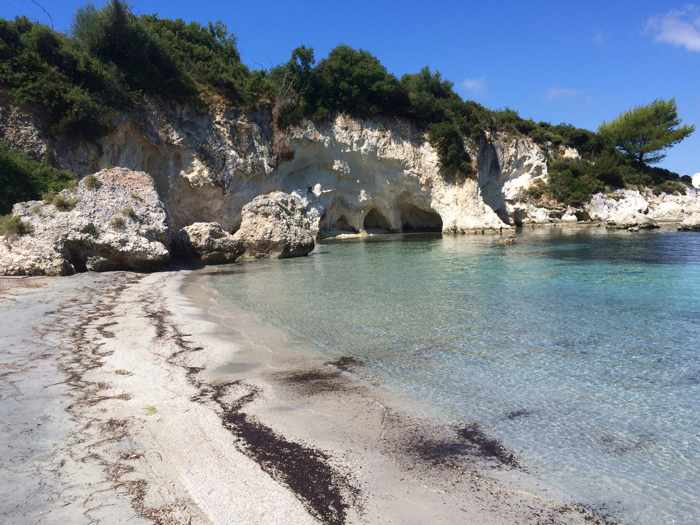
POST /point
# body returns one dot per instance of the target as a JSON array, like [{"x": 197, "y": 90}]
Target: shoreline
[{"x": 173, "y": 419}]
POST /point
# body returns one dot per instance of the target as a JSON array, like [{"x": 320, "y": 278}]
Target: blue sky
[{"x": 577, "y": 62}]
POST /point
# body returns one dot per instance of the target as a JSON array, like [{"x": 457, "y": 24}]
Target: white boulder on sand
[
  {"x": 113, "y": 220},
  {"x": 209, "y": 242},
  {"x": 275, "y": 225}
]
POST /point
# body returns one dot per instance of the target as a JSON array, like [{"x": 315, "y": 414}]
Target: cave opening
[
  {"x": 342, "y": 225},
  {"x": 76, "y": 253},
  {"x": 376, "y": 222},
  {"x": 415, "y": 219}
]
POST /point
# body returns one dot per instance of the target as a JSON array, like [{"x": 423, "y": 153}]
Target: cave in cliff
[
  {"x": 342, "y": 225},
  {"x": 414, "y": 219},
  {"x": 376, "y": 222}
]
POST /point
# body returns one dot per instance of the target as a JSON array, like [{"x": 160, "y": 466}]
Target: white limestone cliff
[{"x": 352, "y": 175}]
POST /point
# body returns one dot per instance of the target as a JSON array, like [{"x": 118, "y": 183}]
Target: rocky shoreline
[
  {"x": 115, "y": 220},
  {"x": 156, "y": 416}
]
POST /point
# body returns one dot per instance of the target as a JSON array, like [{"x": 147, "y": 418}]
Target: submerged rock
[
  {"x": 208, "y": 242},
  {"x": 113, "y": 220},
  {"x": 275, "y": 225}
]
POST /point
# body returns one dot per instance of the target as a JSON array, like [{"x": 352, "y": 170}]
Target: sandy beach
[{"x": 126, "y": 398}]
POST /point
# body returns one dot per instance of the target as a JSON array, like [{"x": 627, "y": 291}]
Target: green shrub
[
  {"x": 91, "y": 230},
  {"x": 447, "y": 140},
  {"x": 92, "y": 183},
  {"x": 22, "y": 178},
  {"x": 117, "y": 37},
  {"x": 671, "y": 186},
  {"x": 64, "y": 202},
  {"x": 47, "y": 72},
  {"x": 118, "y": 223},
  {"x": 536, "y": 191},
  {"x": 13, "y": 225},
  {"x": 130, "y": 213},
  {"x": 572, "y": 181}
]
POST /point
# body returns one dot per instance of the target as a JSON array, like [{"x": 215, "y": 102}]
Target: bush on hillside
[
  {"x": 11, "y": 225},
  {"x": 23, "y": 179},
  {"x": 117, "y": 37},
  {"x": 66, "y": 86}
]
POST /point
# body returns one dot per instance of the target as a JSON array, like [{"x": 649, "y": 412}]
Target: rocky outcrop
[
  {"x": 208, "y": 165},
  {"x": 209, "y": 243},
  {"x": 113, "y": 220},
  {"x": 635, "y": 209},
  {"x": 275, "y": 225},
  {"x": 353, "y": 175},
  {"x": 508, "y": 165},
  {"x": 691, "y": 223},
  {"x": 622, "y": 210},
  {"x": 379, "y": 175}
]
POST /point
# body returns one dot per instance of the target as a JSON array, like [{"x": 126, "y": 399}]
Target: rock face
[
  {"x": 352, "y": 175},
  {"x": 275, "y": 225},
  {"x": 208, "y": 242},
  {"x": 111, "y": 221},
  {"x": 508, "y": 165},
  {"x": 208, "y": 165}
]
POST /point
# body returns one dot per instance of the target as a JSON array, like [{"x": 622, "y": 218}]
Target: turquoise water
[{"x": 580, "y": 351}]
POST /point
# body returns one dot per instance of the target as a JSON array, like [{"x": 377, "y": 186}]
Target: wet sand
[{"x": 126, "y": 400}]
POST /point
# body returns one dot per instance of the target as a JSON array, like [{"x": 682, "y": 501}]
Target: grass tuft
[
  {"x": 13, "y": 225},
  {"x": 118, "y": 223},
  {"x": 92, "y": 183}
]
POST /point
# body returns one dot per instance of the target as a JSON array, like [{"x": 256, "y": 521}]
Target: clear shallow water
[{"x": 580, "y": 351}]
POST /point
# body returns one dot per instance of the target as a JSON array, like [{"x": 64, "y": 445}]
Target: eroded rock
[
  {"x": 113, "y": 220},
  {"x": 691, "y": 223},
  {"x": 275, "y": 225},
  {"x": 208, "y": 242}
]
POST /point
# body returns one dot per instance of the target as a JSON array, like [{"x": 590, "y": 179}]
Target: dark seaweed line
[{"x": 326, "y": 493}]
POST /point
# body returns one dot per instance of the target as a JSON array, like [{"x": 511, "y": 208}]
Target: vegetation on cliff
[
  {"x": 114, "y": 59},
  {"x": 22, "y": 178}
]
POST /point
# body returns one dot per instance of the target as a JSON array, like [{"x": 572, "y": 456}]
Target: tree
[{"x": 644, "y": 132}]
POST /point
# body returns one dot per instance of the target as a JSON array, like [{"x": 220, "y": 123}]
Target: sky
[{"x": 576, "y": 62}]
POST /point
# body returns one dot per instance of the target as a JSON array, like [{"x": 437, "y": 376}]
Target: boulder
[
  {"x": 570, "y": 215},
  {"x": 691, "y": 223},
  {"x": 113, "y": 220},
  {"x": 208, "y": 242},
  {"x": 621, "y": 210},
  {"x": 275, "y": 225},
  {"x": 633, "y": 222}
]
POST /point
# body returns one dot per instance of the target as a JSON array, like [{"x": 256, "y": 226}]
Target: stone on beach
[
  {"x": 275, "y": 225},
  {"x": 209, "y": 242}
]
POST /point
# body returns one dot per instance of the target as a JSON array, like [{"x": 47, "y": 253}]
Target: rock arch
[
  {"x": 343, "y": 225},
  {"x": 415, "y": 219}
]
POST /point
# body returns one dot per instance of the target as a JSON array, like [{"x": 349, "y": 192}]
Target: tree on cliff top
[{"x": 644, "y": 132}]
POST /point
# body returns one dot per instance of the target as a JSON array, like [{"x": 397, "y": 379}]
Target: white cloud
[
  {"x": 678, "y": 27},
  {"x": 696, "y": 180},
  {"x": 474, "y": 85},
  {"x": 559, "y": 92}
]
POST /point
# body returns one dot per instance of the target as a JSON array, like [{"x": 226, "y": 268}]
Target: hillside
[{"x": 115, "y": 67}]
